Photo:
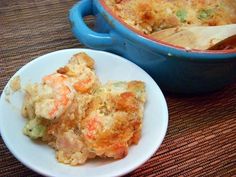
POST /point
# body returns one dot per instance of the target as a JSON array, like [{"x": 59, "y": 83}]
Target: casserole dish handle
[{"x": 82, "y": 32}]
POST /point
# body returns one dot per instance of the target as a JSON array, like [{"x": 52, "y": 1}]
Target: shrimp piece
[
  {"x": 80, "y": 70},
  {"x": 71, "y": 149},
  {"x": 83, "y": 79},
  {"x": 62, "y": 96},
  {"x": 107, "y": 135},
  {"x": 85, "y": 84},
  {"x": 93, "y": 124}
]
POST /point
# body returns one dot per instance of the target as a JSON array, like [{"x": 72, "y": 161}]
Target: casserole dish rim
[{"x": 113, "y": 18}]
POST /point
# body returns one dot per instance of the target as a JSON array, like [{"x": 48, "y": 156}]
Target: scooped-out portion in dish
[
  {"x": 151, "y": 17},
  {"x": 81, "y": 118}
]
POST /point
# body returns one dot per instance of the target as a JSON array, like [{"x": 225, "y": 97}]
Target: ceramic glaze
[{"x": 175, "y": 69}]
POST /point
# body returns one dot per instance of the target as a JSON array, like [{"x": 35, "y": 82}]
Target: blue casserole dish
[{"x": 174, "y": 69}]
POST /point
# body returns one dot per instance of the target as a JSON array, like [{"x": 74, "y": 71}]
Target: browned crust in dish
[{"x": 153, "y": 15}]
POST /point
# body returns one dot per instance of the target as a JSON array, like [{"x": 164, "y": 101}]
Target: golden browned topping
[
  {"x": 63, "y": 70},
  {"x": 15, "y": 83},
  {"x": 14, "y": 86},
  {"x": 82, "y": 57},
  {"x": 80, "y": 118},
  {"x": 152, "y": 15}
]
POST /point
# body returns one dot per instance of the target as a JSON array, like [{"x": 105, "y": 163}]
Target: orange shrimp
[
  {"x": 92, "y": 124},
  {"x": 84, "y": 85},
  {"x": 62, "y": 96}
]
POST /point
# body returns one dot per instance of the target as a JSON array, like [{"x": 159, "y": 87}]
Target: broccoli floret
[
  {"x": 205, "y": 14},
  {"x": 34, "y": 129},
  {"x": 182, "y": 15}
]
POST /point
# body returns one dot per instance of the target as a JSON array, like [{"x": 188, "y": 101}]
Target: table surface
[{"x": 201, "y": 137}]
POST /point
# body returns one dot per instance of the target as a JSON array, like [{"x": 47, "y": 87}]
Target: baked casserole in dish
[{"x": 125, "y": 27}]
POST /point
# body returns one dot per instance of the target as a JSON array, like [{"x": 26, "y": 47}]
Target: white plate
[{"x": 41, "y": 158}]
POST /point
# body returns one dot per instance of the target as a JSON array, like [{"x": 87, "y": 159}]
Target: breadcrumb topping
[{"x": 80, "y": 118}]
